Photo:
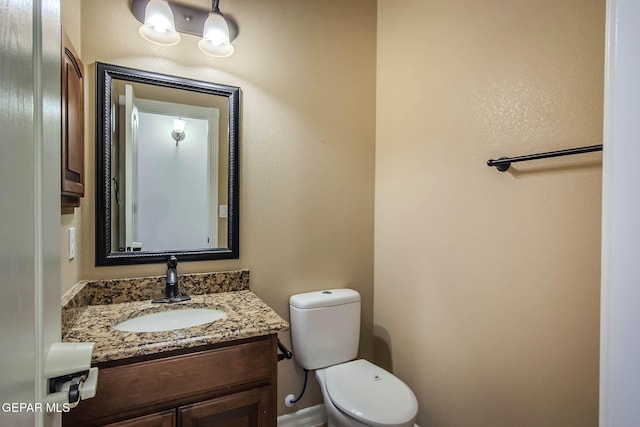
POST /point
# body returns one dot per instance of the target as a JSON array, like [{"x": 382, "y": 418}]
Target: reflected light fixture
[
  {"x": 159, "y": 24},
  {"x": 178, "y": 130},
  {"x": 164, "y": 21}
]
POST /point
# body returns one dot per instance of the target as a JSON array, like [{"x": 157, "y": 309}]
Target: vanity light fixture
[
  {"x": 164, "y": 20},
  {"x": 178, "y": 130}
]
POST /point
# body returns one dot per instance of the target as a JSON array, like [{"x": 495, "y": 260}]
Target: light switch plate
[
  {"x": 224, "y": 211},
  {"x": 72, "y": 242}
]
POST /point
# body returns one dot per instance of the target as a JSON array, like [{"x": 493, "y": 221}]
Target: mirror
[{"x": 166, "y": 168}]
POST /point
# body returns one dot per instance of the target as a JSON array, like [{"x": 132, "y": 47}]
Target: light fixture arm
[
  {"x": 178, "y": 136},
  {"x": 178, "y": 129},
  {"x": 214, "y": 6}
]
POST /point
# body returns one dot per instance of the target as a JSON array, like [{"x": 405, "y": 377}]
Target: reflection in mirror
[
  {"x": 167, "y": 164},
  {"x": 169, "y": 188}
]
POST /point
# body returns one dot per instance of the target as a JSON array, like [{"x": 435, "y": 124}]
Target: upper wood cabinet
[{"x": 72, "y": 154}]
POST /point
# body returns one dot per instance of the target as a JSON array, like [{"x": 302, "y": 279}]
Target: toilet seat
[{"x": 370, "y": 394}]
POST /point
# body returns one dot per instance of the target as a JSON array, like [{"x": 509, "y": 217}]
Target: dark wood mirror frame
[{"x": 105, "y": 73}]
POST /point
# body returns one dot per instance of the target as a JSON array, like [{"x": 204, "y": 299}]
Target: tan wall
[
  {"x": 70, "y": 11},
  {"x": 487, "y": 283},
  {"x": 69, "y": 269},
  {"x": 307, "y": 73}
]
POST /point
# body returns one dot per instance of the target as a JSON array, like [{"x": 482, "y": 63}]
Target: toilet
[{"x": 325, "y": 330}]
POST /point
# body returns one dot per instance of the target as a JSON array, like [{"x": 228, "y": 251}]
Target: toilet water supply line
[
  {"x": 286, "y": 354},
  {"x": 289, "y": 401}
]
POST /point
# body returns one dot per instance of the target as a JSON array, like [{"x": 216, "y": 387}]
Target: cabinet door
[
  {"x": 72, "y": 152},
  {"x": 160, "y": 419},
  {"x": 247, "y": 409}
]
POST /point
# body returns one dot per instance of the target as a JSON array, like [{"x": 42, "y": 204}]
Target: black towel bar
[{"x": 503, "y": 163}]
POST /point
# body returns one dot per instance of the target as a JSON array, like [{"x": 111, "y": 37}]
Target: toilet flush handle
[{"x": 286, "y": 354}]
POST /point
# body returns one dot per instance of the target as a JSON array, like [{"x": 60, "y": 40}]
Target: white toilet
[{"x": 325, "y": 330}]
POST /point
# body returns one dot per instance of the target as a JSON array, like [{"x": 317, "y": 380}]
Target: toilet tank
[{"x": 325, "y": 327}]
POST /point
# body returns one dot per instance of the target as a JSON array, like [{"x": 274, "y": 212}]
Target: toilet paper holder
[{"x": 69, "y": 374}]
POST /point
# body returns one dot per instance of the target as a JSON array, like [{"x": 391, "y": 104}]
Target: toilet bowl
[
  {"x": 325, "y": 331},
  {"x": 359, "y": 393}
]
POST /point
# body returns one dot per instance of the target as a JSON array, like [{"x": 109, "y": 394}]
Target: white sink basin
[{"x": 170, "y": 320}]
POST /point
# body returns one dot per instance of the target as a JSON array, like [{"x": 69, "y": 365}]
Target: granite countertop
[{"x": 247, "y": 316}]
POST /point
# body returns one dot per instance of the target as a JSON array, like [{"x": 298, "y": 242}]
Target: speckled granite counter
[{"x": 90, "y": 311}]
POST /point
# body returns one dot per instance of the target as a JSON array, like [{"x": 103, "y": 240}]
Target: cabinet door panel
[
  {"x": 74, "y": 123},
  {"x": 246, "y": 409},
  {"x": 72, "y": 151},
  {"x": 161, "y": 419}
]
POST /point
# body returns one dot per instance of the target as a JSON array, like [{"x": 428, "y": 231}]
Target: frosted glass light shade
[
  {"x": 215, "y": 36},
  {"x": 179, "y": 125},
  {"x": 159, "y": 25}
]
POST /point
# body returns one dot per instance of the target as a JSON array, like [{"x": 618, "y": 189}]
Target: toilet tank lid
[{"x": 325, "y": 298}]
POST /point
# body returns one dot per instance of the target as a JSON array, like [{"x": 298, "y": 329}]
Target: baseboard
[{"x": 307, "y": 417}]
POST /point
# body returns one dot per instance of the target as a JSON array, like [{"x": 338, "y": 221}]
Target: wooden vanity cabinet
[
  {"x": 72, "y": 112},
  {"x": 230, "y": 385}
]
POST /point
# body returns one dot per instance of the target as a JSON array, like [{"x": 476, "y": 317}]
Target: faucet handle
[{"x": 172, "y": 262}]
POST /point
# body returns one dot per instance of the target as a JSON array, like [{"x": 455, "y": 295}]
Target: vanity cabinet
[
  {"x": 72, "y": 112},
  {"x": 231, "y": 384}
]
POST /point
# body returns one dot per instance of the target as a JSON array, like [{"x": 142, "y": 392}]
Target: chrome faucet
[{"x": 171, "y": 292}]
